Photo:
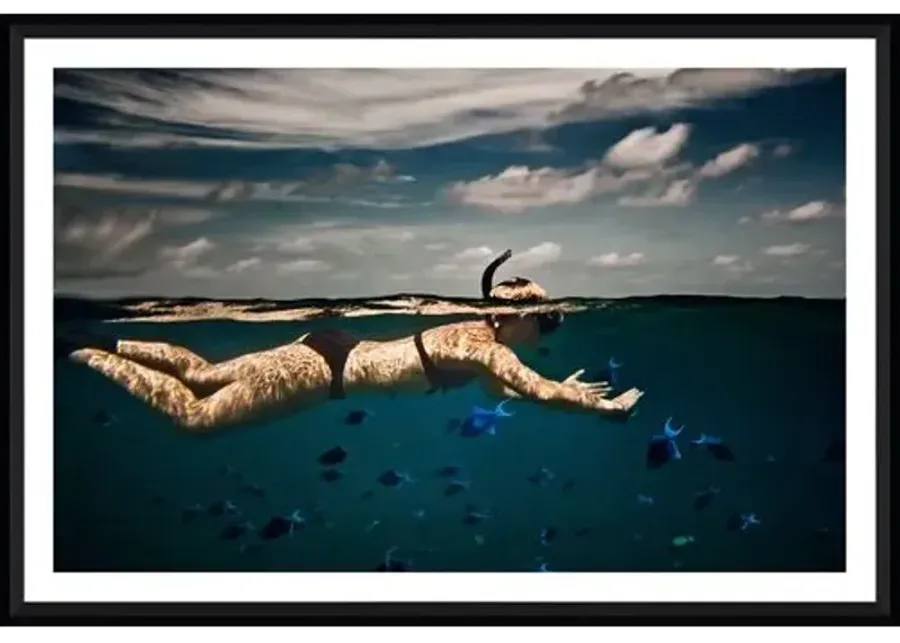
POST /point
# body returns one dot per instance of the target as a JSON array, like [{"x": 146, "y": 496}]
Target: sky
[{"x": 288, "y": 184}]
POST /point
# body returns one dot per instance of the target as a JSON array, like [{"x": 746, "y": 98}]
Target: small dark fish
[
  {"x": 583, "y": 531},
  {"x": 659, "y": 452},
  {"x": 357, "y": 416},
  {"x": 836, "y": 452},
  {"x": 453, "y": 424},
  {"x": 191, "y": 513},
  {"x": 448, "y": 471},
  {"x": 715, "y": 446},
  {"x": 543, "y": 351},
  {"x": 548, "y": 535},
  {"x": 235, "y": 530},
  {"x": 278, "y": 526},
  {"x": 222, "y": 507},
  {"x": 702, "y": 499},
  {"x": 475, "y": 516},
  {"x": 103, "y": 418},
  {"x": 331, "y": 475},
  {"x": 542, "y": 477},
  {"x": 456, "y": 487},
  {"x": 367, "y": 495},
  {"x": 568, "y": 486},
  {"x": 333, "y": 456},
  {"x": 157, "y": 500},
  {"x": 663, "y": 448},
  {"x": 391, "y": 564},
  {"x": 393, "y": 478},
  {"x": 252, "y": 489}
]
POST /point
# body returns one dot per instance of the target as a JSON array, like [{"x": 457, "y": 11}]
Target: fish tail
[{"x": 499, "y": 410}]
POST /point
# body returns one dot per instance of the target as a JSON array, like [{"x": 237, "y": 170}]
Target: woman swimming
[{"x": 255, "y": 388}]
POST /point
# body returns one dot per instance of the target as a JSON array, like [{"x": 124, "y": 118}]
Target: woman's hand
[
  {"x": 594, "y": 389},
  {"x": 621, "y": 407}
]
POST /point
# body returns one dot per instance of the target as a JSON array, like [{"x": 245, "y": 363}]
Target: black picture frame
[{"x": 22, "y": 27}]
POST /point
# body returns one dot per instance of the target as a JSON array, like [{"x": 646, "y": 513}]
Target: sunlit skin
[{"x": 257, "y": 388}]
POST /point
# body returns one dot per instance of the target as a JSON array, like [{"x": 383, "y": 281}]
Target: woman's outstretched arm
[{"x": 508, "y": 374}]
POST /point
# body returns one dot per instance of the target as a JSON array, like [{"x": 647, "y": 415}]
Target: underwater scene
[{"x": 733, "y": 460}]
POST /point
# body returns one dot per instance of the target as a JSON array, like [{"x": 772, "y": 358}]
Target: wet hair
[{"x": 519, "y": 290}]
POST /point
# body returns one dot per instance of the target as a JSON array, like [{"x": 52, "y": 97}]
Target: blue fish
[
  {"x": 481, "y": 421},
  {"x": 742, "y": 522},
  {"x": 613, "y": 371},
  {"x": 715, "y": 446},
  {"x": 663, "y": 448},
  {"x": 543, "y": 567},
  {"x": 645, "y": 500},
  {"x": 747, "y": 520}
]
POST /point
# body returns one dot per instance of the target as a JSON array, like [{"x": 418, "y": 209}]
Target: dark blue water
[{"x": 766, "y": 376}]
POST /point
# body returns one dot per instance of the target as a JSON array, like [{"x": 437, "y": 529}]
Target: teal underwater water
[{"x": 767, "y": 376}]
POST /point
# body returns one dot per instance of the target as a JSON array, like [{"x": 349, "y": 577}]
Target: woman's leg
[
  {"x": 236, "y": 403},
  {"x": 202, "y": 377}
]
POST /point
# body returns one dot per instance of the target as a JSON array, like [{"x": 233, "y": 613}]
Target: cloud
[
  {"x": 615, "y": 260},
  {"x": 678, "y": 193},
  {"x": 474, "y": 253},
  {"x": 519, "y": 188},
  {"x": 733, "y": 264},
  {"x": 302, "y": 266},
  {"x": 386, "y": 109},
  {"x": 536, "y": 256},
  {"x": 243, "y": 265},
  {"x": 789, "y": 250},
  {"x": 806, "y": 213},
  {"x": 645, "y": 147},
  {"x": 639, "y": 157},
  {"x": 297, "y": 245},
  {"x": 335, "y": 184},
  {"x": 468, "y": 263},
  {"x": 102, "y": 243},
  {"x": 729, "y": 161},
  {"x": 725, "y": 260},
  {"x": 628, "y": 93},
  {"x": 435, "y": 246},
  {"x": 188, "y": 254},
  {"x": 117, "y": 183}
]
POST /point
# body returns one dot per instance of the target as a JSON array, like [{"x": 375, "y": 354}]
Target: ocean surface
[{"x": 766, "y": 376}]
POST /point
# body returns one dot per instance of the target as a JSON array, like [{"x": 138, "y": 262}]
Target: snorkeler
[{"x": 260, "y": 387}]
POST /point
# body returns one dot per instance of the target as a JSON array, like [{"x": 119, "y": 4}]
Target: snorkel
[
  {"x": 547, "y": 322},
  {"x": 487, "y": 277}
]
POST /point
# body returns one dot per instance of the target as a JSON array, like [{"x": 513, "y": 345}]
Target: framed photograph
[{"x": 585, "y": 319}]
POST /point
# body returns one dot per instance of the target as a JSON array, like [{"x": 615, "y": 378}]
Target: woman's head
[{"x": 517, "y": 328}]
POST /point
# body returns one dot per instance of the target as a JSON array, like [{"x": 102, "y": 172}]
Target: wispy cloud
[
  {"x": 787, "y": 250},
  {"x": 243, "y": 265},
  {"x": 385, "y": 109},
  {"x": 335, "y": 184},
  {"x": 626, "y": 92},
  {"x": 733, "y": 264},
  {"x": 806, "y": 213},
  {"x": 615, "y": 260},
  {"x": 302, "y": 266},
  {"x": 729, "y": 161}
]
